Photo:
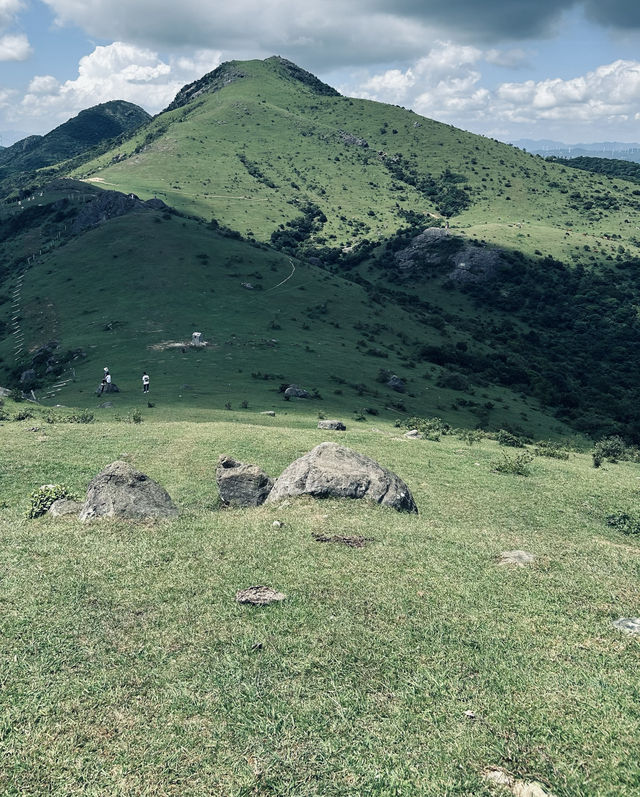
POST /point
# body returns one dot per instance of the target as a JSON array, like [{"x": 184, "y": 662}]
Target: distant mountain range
[{"x": 601, "y": 149}]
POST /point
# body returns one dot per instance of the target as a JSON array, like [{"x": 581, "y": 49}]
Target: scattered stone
[
  {"x": 334, "y": 425},
  {"x": 259, "y": 595},
  {"x": 105, "y": 405},
  {"x": 240, "y": 484},
  {"x": 277, "y": 524},
  {"x": 354, "y": 141},
  {"x": 270, "y": 413},
  {"x": 65, "y": 506},
  {"x": 395, "y": 383},
  {"x": 34, "y": 429},
  {"x": 4, "y": 392},
  {"x": 123, "y": 492},
  {"x": 518, "y": 558},
  {"x": 333, "y": 471},
  {"x": 413, "y": 434},
  {"x": 630, "y": 625},
  {"x": 519, "y": 788},
  {"x": 352, "y": 542},
  {"x": 293, "y": 391}
]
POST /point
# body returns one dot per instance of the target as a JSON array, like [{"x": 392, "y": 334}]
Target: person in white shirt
[{"x": 145, "y": 382}]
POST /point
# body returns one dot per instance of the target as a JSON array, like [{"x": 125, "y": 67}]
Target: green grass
[
  {"x": 127, "y": 667},
  {"x": 190, "y": 157}
]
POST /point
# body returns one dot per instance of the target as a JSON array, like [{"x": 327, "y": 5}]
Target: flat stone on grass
[
  {"x": 517, "y": 558},
  {"x": 259, "y": 595},
  {"x": 630, "y": 625}
]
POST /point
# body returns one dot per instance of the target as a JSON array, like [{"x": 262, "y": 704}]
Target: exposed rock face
[
  {"x": 334, "y": 425},
  {"x": 240, "y": 484},
  {"x": 333, "y": 471},
  {"x": 354, "y": 141},
  {"x": 293, "y": 391},
  {"x": 630, "y": 625},
  {"x": 64, "y": 506},
  {"x": 120, "y": 491},
  {"x": 397, "y": 384}
]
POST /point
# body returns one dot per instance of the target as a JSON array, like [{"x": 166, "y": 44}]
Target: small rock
[
  {"x": 413, "y": 434},
  {"x": 270, "y": 413},
  {"x": 519, "y": 788},
  {"x": 64, "y": 506},
  {"x": 630, "y": 625},
  {"x": 105, "y": 405},
  {"x": 259, "y": 595},
  {"x": 333, "y": 425},
  {"x": 518, "y": 558},
  {"x": 395, "y": 383},
  {"x": 241, "y": 484},
  {"x": 277, "y": 524}
]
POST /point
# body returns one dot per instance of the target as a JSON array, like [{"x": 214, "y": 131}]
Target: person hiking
[
  {"x": 145, "y": 382},
  {"x": 106, "y": 380}
]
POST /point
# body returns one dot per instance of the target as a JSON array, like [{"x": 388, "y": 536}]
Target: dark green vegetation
[
  {"x": 522, "y": 315},
  {"x": 86, "y": 130},
  {"x": 612, "y": 167},
  {"x": 406, "y": 666}
]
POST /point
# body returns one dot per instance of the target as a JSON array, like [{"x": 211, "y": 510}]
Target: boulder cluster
[{"x": 327, "y": 471}]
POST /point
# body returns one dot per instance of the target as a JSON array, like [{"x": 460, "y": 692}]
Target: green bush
[
  {"x": 506, "y": 438},
  {"x": 429, "y": 428},
  {"x": 627, "y": 524},
  {"x": 84, "y": 416},
  {"x": 519, "y": 464},
  {"x": 470, "y": 436},
  {"x": 610, "y": 448},
  {"x": 547, "y": 448},
  {"x": 23, "y": 415},
  {"x": 42, "y": 498}
]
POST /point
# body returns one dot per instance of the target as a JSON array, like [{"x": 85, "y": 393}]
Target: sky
[{"x": 564, "y": 70}]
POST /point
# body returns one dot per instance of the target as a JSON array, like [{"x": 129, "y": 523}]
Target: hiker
[
  {"x": 145, "y": 382},
  {"x": 106, "y": 380}
]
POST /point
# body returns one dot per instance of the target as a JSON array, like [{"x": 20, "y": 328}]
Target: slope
[
  {"x": 84, "y": 131},
  {"x": 255, "y": 143}
]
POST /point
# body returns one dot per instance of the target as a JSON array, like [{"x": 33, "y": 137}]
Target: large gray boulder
[
  {"x": 241, "y": 484},
  {"x": 333, "y": 471},
  {"x": 120, "y": 491},
  {"x": 293, "y": 391}
]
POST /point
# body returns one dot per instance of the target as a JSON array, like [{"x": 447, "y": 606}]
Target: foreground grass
[{"x": 127, "y": 667}]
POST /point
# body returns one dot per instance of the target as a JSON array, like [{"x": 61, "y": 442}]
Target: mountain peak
[{"x": 231, "y": 71}]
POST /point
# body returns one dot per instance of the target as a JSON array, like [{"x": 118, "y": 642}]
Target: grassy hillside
[
  {"x": 322, "y": 204},
  {"x": 81, "y": 133},
  {"x": 255, "y": 144},
  {"x": 408, "y": 666},
  {"x": 128, "y": 292}
]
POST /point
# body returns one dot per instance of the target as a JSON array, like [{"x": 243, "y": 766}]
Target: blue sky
[{"x": 560, "y": 69}]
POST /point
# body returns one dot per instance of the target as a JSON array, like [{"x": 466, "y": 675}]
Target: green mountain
[
  {"x": 334, "y": 243},
  {"x": 85, "y": 131}
]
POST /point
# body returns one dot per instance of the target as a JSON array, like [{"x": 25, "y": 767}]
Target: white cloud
[
  {"x": 9, "y": 9},
  {"x": 447, "y": 85},
  {"x": 118, "y": 71},
  {"x": 14, "y": 47}
]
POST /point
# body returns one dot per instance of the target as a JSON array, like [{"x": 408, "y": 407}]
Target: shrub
[
  {"x": 42, "y": 498},
  {"x": 611, "y": 448},
  {"x": 83, "y": 416},
  {"x": 429, "y": 428},
  {"x": 627, "y": 524},
  {"x": 470, "y": 436},
  {"x": 547, "y": 448},
  {"x": 23, "y": 415},
  {"x": 506, "y": 438},
  {"x": 519, "y": 464}
]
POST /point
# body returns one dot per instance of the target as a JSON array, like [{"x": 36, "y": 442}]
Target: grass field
[{"x": 128, "y": 668}]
